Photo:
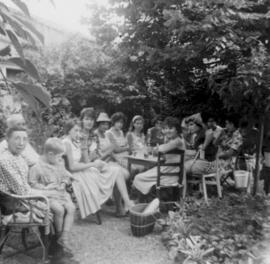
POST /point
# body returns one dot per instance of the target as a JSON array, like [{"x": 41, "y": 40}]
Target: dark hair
[
  {"x": 89, "y": 112},
  {"x": 156, "y": 119},
  {"x": 70, "y": 123},
  {"x": 233, "y": 119},
  {"x": 11, "y": 130},
  {"x": 196, "y": 121},
  {"x": 173, "y": 122},
  {"x": 244, "y": 123},
  {"x": 119, "y": 116}
]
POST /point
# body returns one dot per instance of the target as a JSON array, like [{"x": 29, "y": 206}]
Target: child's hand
[{"x": 155, "y": 151}]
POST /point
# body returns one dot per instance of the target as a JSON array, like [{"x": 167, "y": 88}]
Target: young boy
[{"x": 50, "y": 176}]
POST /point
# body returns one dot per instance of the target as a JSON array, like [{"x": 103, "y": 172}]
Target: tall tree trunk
[{"x": 258, "y": 153}]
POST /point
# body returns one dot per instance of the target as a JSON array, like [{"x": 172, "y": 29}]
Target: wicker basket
[{"x": 141, "y": 224}]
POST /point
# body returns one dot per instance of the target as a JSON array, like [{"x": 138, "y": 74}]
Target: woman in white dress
[
  {"x": 136, "y": 137},
  {"x": 95, "y": 180},
  {"x": 105, "y": 151},
  {"x": 118, "y": 140},
  {"x": 136, "y": 141},
  {"x": 105, "y": 147}
]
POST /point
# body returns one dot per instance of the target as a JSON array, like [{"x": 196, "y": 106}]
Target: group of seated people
[{"x": 95, "y": 151}]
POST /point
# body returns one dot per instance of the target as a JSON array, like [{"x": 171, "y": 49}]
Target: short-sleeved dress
[
  {"x": 137, "y": 143},
  {"x": 146, "y": 180},
  {"x": 119, "y": 141},
  {"x": 43, "y": 174},
  {"x": 104, "y": 144},
  {"x": 92, "y": 187}
]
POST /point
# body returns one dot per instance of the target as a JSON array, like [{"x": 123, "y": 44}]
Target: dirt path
[{"x": 109, "y": 243}]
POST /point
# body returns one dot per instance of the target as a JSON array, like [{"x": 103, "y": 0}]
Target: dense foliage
[
  {"x": 189, "y": 56},
  {"x": 18, "y": 30}
]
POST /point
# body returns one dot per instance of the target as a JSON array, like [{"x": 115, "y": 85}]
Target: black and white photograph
[{"x": 134, "y": 132}]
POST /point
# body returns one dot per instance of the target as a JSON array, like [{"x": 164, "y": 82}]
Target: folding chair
[
  {"x": 177, "y": 168},
  {"x": 14, "y": 203},
  {"x": 215, "y": 179}
]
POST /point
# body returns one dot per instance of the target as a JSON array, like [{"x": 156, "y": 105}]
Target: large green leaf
[
  {"x": 22, "y": 6},
  {"x": 27, "y": 66},
  {"x": 15, "y": 42},
  {"x": 36, "y": 91},
  {"x": 29, "y": 26},
  {"x": 18, "y": 27},
  {"x": 3, "y": 7},
  {"x": 5, "y": 51},
  {"x": 2, "y": 31}
]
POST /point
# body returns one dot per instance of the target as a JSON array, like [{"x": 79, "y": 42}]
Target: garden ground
[
  {"x": 236, "y": 227},
  {"x": 109, "y": 243}
]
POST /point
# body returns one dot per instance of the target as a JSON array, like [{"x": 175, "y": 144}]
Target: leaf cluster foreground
[{"x": 228, "y": 231}]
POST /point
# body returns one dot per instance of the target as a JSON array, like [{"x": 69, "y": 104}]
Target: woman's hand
[
  {"x": 99, "y": 164},
  {"x": 51, "y": 186},
  {"x": 93, "y": 156},
  {"x": 155, "y": 151}
]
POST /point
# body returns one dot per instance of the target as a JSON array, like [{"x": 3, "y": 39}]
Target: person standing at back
[{"x": 155, "y": 135}]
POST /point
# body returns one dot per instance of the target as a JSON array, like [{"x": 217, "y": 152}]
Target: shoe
[
  {"x": 122, "y": 214},
  {"x": 110, "y": 202}
]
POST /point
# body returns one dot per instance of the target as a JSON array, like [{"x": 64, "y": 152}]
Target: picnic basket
[{"x": 141, "y": 223}]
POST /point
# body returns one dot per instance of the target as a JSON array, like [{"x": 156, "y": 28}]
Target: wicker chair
[{"x": 15, "y": 204}]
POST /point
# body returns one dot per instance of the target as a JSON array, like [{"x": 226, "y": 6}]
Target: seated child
[{"x": 50, "y": 176}]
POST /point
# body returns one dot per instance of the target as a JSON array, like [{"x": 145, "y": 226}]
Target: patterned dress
[
  {"x": 29, "y": 154},
  {"x": 228, "y": 140},
  {"x": 92, "y": 187},
  {"x": 14, "y": 179},
  {"x": 13, "y": 174}
]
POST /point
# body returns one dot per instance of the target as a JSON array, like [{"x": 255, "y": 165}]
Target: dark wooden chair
[
  {"x": 17, "y": 203},
  {"x": 70, "y": 190},
  {"x": 178, "y": 166}
]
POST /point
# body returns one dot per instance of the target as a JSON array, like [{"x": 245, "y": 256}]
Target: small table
[{"x": 147, "y": 162}]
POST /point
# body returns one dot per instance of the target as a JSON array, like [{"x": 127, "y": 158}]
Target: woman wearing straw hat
[
  {"x": 105, "y": 150},
  {"x": 105, "y": 147}
]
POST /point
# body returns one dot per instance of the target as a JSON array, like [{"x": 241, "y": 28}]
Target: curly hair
[
  {"x": 156, "y": 119},
  {"x": 173, "y": 122},
  {"x": 119, "y": 116},
  {"x": 88, "y": 112},
  {"x": 70, "y": 123}
]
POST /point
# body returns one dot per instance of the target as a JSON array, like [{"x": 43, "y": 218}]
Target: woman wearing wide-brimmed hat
[
  {"x": 106, "y": 152},
  {"x": 105, "y": 147}
]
